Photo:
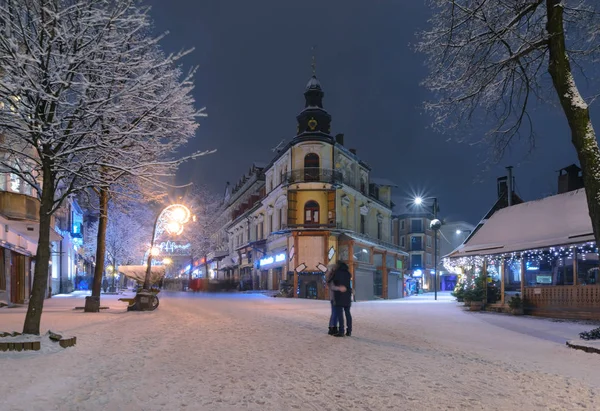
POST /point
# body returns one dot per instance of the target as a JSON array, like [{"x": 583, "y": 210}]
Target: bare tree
[
  {"x": 200, "y": 233},
  {"x": 491, "y": 58},
  {"x": 87, "y": 98}
]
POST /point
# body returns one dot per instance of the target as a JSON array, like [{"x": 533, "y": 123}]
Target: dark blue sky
[{"x": 254, "y": 60}]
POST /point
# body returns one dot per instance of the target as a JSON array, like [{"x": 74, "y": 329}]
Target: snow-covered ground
[{"x": 228, "y": 352}]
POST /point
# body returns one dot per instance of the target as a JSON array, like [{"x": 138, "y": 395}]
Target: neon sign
[{"x": 278, "y": 258}]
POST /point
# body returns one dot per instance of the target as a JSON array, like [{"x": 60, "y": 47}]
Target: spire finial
[{"x": 313, "y": 65}]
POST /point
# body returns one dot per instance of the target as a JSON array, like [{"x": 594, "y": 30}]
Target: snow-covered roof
[
  {"x": 138, "y": 272},
  {"x": 558, "y": 220},
  {"x": 383, "y": 182}
]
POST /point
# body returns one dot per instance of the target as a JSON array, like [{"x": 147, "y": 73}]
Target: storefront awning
[{"x": 370, "y": 242}]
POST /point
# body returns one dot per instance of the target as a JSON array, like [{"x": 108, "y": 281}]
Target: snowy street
[{"x": 227, "y": 352}]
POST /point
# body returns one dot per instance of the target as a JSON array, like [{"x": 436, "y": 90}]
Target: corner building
[{"x": 318, "y": 205}]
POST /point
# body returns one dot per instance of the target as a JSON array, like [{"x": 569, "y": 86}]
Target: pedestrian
[
  {"x": 332, "y": 317},
  {"x": 342, "y": 281}
]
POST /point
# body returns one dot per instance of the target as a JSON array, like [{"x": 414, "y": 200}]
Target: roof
[
  {"x": 374, "y": 243},
  {"x": 558, "y": 220},
  {"x": 138, "y": 272},
  {"x": 384, "y": 182}
]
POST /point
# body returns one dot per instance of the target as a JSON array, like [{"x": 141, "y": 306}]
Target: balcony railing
[
  {"x": 17, "y": 206},
  {"x": 313, "y": 175}
]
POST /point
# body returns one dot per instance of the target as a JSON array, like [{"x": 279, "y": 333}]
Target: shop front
[
  {"x": 376, "y": 267},
  {"x": 271, "y": 268}
]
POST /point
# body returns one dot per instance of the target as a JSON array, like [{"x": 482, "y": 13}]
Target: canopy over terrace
[
  {"x": 138, "y": 272},
  {"x": 544, "y": 249},
  {"x": 556, "y": 221}
]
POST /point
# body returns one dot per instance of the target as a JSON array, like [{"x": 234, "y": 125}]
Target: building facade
[
  {"x": 413, "y": 235},
  {"x": 312, "y": 205}
]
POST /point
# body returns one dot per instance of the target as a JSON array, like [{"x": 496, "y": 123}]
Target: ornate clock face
[{"x": 312, "y": 124}]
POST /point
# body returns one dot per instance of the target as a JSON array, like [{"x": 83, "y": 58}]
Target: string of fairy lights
[{"x": 458, "y": 265}]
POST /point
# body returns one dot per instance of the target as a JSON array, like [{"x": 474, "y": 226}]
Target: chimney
[
  {"x": 353, "y": 151},
  {"x": 569, "y": 179},
  {"x": 339, "y": 138},
  {"x": 502, "y": 186}
]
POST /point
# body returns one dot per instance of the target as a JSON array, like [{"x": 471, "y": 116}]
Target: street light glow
[
  {"x": 418, "y": 200},
  {"x": 458, "y": 232}
]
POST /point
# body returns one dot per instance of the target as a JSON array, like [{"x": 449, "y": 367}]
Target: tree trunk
[
  {"x": 583, "y": 136},
  {"x": 149, "y": 263},
  {"x": 42, "y": 258},
  {"x": 100, "y": 251}
]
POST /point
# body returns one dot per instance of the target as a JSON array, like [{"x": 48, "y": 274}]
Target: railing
[
  {"x": 313, "y": 175},
  {"x": 309, "y": 225},
  {"x": 17, "y": 206}
]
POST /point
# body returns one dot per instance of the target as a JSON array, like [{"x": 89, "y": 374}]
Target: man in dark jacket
[{"x": 342, "y": 297}]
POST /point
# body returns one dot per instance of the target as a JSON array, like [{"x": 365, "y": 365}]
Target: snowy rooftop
[
  {"x": 383, "y": 182},
  {"x": 558, "y": 220}
]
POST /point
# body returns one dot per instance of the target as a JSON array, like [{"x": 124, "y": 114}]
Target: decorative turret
[{"x": 314, "y": 118}]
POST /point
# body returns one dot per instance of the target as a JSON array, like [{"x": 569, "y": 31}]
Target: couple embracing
[{"x": 340, "y": 294}]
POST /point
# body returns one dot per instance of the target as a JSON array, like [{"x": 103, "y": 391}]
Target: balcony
[
  {"x": 313, "y": 175},
  {"x": 309, "y": 226},
  {"x": 15, "y": 206}
]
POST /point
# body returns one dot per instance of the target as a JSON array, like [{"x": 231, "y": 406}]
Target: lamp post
[
  {"x": 434, "y": 225},
  {"x": 171, "y": 219}
]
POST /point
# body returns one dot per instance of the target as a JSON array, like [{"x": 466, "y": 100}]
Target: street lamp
[
  {"x": 434, "y": 225},
  {"x": 171, "y": 219}
]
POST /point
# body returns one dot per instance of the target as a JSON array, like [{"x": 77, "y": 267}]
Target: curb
[{"x": 583, "y": 348}]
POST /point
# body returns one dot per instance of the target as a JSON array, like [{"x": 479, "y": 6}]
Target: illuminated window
[
  {"x": 15, "y": 183},
  {"x": 311, "y": 212}
]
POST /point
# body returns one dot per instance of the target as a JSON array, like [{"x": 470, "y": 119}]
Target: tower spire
[{"x": 313, "y": 64}]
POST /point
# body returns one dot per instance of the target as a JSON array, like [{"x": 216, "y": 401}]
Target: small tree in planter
[
  {"x": 476, "y": 294},
  {"x": 516, "y": 305}
]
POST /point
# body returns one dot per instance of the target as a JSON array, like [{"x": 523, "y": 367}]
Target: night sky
[{"x": 254, "y": 60}]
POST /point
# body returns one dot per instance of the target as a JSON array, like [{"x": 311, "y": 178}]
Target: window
[
  {"x": 402, "y": 242},
  {"x": 311, "y": 212},
  {"x": 416, "y": 261},
  {"x": 416, "y": 243},
  {"x": 428, "y": 241},
  {"x": 429, "y": 259},
  {"x": 280, "y": 218},
  {"x": 362, "y": 224},
  {"x": 256, "y": 237},
  {"x": 271, "y": 223},
  {"x": 379, "y": 230},
  {"x": 402, "y": 225},
  {"x": 311, "y": 167},
  {"x": 416, "y": 226}
]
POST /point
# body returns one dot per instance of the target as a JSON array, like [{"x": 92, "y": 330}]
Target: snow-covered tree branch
[
  {"x": 493, "y": 59},
  {"x": 87, "y": 97}
]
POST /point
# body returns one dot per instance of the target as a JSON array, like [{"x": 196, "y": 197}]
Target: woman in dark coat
[
  {"x": 332, "y": 318},
  {"x": 342, "y": 296}
]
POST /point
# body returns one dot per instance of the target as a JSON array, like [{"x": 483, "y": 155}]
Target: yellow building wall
[
  {"x": 301, "y": 150},
  {"x": 303, "y": 197}
]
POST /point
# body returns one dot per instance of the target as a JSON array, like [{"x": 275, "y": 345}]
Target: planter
[{"x": 476, "y": 306}]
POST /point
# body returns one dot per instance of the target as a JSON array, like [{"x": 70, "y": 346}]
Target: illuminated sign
[
  {"x": 278, "y": 258},
  {"x": 171, "y": 247},
  {"x": 417, "y": 273}
]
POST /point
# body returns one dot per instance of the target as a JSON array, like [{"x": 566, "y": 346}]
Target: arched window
[
  {"x": 311, "y": 167},
  {"x": 311, "y": 212}
]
